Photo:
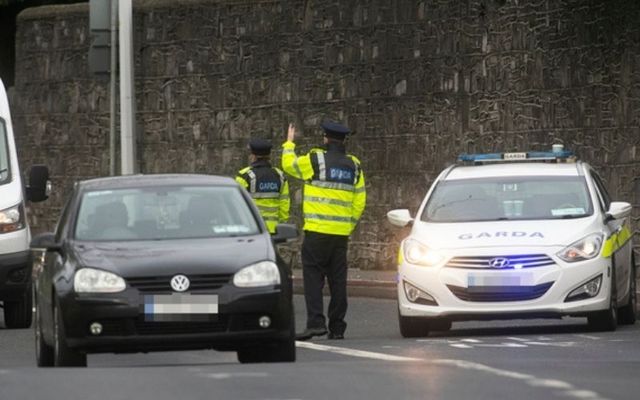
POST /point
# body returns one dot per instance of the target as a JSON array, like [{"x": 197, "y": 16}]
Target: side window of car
[{"x": 605, "y": 199}]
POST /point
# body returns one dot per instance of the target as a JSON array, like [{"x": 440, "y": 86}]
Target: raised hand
[{"x": 291, "y": 133}]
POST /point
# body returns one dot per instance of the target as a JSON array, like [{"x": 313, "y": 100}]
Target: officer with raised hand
[
  {"x": 266, "y": 184},
  {"x": 334, "y": 199}
]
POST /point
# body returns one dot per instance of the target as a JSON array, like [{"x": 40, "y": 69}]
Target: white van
[{"x": 15, "y": 264}]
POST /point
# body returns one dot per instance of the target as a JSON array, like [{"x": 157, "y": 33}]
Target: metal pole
[
  {"x": 127, "y": 94},
  {"x": 112, "y": 89}
]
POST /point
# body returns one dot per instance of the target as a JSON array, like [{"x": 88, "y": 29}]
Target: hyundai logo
[
  {"x": 180, "y": 283},
  {"x": 499, "y": 262}
]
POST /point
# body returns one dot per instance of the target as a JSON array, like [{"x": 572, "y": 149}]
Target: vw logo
[
  {"x": 180, "y": 283},
  {"x": 499, "y": 262}
]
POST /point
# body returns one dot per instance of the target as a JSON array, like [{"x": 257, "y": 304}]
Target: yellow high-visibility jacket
[
  {"x": 334, "y": 189},
  {"x": 269, "y": 190}
]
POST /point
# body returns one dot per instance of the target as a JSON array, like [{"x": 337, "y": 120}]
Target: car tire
[
  {"x": 412, "y": 327},
  {"x": 606, "y": 320},
  {"x": 44, "y": 352},
  {"x": 627, "y": 313},
  {"x": 279, "y": 351},
  {"x": 64, "y": 356},
  {"x": 18, "y": 314}
]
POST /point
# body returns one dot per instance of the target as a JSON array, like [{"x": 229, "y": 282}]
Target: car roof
[
  {"x": 143, "y": 180},
  {"x": 513, "y": 169}
]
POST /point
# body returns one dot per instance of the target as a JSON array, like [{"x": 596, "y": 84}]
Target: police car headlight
[
  {"x": 90, "y": 280},
  {"x": 417, "y": 253},
  {"x": 584, "y": 249},
  {"x": 264, "y": 273},
  {"x": 12, "y": 219}
]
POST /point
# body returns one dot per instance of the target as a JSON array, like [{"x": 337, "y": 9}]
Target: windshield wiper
[{"x": 572, "y": 216}]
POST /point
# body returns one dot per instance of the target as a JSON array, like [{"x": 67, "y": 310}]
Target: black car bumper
[
  {"x": 15, "y": 275},
  {"x": 127, "y": 329}
]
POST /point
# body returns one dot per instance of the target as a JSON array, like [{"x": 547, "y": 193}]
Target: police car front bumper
[{"x": 470, "y": 294}]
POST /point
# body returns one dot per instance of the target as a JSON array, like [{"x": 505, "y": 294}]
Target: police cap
[
  {"x": 260, "y": 147},
  {"x": 335, "y": 130}
]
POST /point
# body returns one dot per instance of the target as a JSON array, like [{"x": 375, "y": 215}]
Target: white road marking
[
  {"x": 471, "y": 340},
  {"x": 229, "y": 375},
  {"x": 552, "y": 344},
  {"x": 588, "y": 337},
  {"x": 568, "y": 389},
  {"x": 517, "y": 339},
  {"x": 461, "y": 346},
  {"x": 512, "y": 345},
  {"x": 354, "y": 353}
]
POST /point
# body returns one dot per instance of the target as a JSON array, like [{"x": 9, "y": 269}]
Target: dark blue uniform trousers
[{"x": 325, "y": 255}]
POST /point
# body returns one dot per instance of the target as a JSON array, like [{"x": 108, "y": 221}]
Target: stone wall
[{"x": 420, "y": 81}]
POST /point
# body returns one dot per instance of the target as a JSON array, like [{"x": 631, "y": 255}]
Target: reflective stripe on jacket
[
  {"x": 334, "y": 189},
  {"x": 269, "y": 190}
]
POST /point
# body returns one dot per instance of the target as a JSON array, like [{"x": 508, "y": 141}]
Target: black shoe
[
  {"x": 335, "y": 336},
  {"x": 311, "y": 332}
]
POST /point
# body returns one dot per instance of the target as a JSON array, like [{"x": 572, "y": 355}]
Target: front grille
[
  {"x": 513, "y": 261},
  {"x": 499, "y": 293},
  {"x": 143, "y": 327},
  {"x": 163, "y": 283}
]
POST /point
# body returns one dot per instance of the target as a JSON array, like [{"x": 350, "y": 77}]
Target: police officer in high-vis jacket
[
  {"x": 266, "y": 184},
  {"x": 334, "y": 199}
]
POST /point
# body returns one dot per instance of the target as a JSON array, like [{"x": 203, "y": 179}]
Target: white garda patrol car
[{"x": 516, "y": 235}]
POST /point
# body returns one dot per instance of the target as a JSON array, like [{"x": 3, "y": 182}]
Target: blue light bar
[{"x": 561, "y": 156}]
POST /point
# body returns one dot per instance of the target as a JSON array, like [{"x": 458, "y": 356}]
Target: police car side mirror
[
  {"x": 284, "y": 233},
  {"x": 618, "y": 210},
  {"x": 401, "y": 217}
]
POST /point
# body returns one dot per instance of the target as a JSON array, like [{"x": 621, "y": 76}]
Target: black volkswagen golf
[{"x": 162, "y": 262}]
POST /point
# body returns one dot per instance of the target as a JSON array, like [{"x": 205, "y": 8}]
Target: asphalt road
[{"x": 534, "y": 359}]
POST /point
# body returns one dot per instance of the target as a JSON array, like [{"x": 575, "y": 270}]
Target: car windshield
[
  {"x": 156, "y": 213},
  {"x": 4, "y": 154},
  {"x": 508, "y": 198}
]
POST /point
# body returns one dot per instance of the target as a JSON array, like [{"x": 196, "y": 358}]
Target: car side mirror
[
  {"x": 45, "y": 241},
  {"x": 618, "y": 210},
  {"x": 401, "y": 217},
  {"x": 39, "y": 184},
  {"x": 284, "y": 233}
]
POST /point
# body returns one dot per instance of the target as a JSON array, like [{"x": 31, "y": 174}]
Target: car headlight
[
  {"x": 417, "y": 253},
  {"x": 90, "y": 280},
  {"x": 584, "y": 249},
  {"x": 12, "y": 219},
  {"x": 264, "y": 273}
]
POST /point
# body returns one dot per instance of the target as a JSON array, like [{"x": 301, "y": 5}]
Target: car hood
[
  {"x": 164, "y": 257},
  {"x": 504, "y": 233}
]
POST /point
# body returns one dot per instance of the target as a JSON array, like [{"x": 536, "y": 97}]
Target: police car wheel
[
  {"x": 606, "y": 320},
  {"x": 627, "y": 314},
  {"x": 412, "y": 327}
]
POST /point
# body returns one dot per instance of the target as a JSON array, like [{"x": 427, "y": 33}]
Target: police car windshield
[
  {"x": 4, "y": 154},
  {"x": 509, "y": 198},
  {"x": 158, "y": 213}
]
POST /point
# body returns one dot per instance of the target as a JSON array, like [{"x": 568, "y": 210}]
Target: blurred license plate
[
  {"x": 499, "y": 280},
  {"x": 180, "y": 306}
]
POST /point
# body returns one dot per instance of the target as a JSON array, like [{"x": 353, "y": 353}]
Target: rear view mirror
[
  {"x": 284, "y": 232},
  {"x": 39, "y": 184},
  {"x": 400, "y": 217}
]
